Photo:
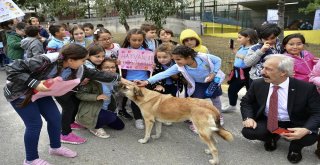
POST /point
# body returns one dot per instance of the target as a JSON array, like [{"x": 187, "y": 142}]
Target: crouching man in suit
[{"x": 279, "y": 101}]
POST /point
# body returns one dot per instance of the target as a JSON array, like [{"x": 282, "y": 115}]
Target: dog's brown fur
[{"x": 157, "y": 108}]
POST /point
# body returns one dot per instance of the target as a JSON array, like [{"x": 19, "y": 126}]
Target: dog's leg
[
  {"x": 207, "y": 151},
  {"x": 206, "y": 137},
  {"x": 149, "y": 124},
  {"x": 158, "y": 130}
]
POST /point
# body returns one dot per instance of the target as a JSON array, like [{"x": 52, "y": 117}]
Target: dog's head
[{"x": 132, "y": 91}]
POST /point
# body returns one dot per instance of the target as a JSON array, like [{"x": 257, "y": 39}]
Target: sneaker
[
  {"x": 139, "y": 124},
  {"x": 193, "y": 128},
  {"x": 63, "y": 151},
  {"x": 228, "y": 108},
  {"x": 76, "y": 126},
  {"x": 125, "y": 114},
  {"x": 36, "y": 162},
  {"x": 101, "y": 133},
  {"x": 71, "y": 138},
  {"x": 221, "y": 120}
]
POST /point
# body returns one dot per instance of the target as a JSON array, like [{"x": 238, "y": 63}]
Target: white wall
[{"x": 112, "y": 24}]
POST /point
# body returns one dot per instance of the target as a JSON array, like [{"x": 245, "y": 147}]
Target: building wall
[{"x": 112, "y": 24}]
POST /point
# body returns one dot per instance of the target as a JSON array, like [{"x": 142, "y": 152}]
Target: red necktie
[{"x": 273, "y": 110}]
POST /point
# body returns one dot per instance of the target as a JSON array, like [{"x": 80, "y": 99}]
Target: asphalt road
[{"x": 177, "y": 146}]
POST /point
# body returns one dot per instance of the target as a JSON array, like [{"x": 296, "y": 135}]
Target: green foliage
[
  {"x": 153, "y": 10},
  {"x": 312, "y": 6},
  {"x": 57, "y": 7},
  {"x": 101, "y": 7}
]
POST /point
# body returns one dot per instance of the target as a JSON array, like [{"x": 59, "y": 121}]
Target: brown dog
[{"x": 157, "y": 108}]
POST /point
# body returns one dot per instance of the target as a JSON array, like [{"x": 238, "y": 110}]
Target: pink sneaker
[
  {"x": 71, "y": 138},
  {"x": 36, "y": 162},
  {"x": 76, "y": 126},
  {"x": 63, "y": 151}
]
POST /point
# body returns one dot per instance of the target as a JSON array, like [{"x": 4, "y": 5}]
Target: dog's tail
[
  {"x": 216, "y": 127},
  {"x": 226, "y": 135}
]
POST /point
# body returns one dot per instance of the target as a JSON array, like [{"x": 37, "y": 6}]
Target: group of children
[{"x": 184, "y": 70}]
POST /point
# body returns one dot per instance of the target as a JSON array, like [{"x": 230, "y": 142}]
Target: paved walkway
[{"x": 177, "y": 146}]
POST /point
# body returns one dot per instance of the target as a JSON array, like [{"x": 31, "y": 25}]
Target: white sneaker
[
  {"x": 228, "y": 108},
  {"x": 221, "y": 120},
  {"x": 139, "y": 124}
]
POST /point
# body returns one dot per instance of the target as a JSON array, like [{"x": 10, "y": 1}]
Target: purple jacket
[{"x": 303, "y": 65}]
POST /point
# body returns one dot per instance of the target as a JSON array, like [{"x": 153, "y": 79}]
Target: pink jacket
[
  {"x": 303, "y": 66},
  {"x": 315, "y": 75}
]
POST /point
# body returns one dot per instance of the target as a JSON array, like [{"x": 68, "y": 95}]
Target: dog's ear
[{"x": 137, "y": 92}]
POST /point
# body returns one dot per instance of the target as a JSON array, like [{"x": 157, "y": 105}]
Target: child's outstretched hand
[
  {"x": 41, "y": 87},
  {"x": 159, "y": 88},
  {"x": 85, "y": 81},
  {"x": 209, "y": 78},
  {"x": 102, "y": 97},
  {"x": 141, "y": 83}
]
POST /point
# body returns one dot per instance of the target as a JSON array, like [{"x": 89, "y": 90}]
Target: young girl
[
  {"x": 96, "y": 56},
  {"x": 69, "y": 102},
  {"x": 191, "y": 39},
  {"x": 315, "y": 79},
  {"x": 165, "y": 36},
  {"x": 163, "y": 62},
  {"x": 97, "y": 104},
  {"x": 293, "y": 46},
  {"x": 104, "y": 38},
  {"x": 198, "y": 69},
  {"x": 135, "y": 39},
  {"x": 35, "y": 21},
  {"x": 26, "y": 75},
  {"x": 78, "y": 36},
  {"x": 239, "y": 75}
]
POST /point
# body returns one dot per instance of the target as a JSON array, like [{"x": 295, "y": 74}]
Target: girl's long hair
[
  {"x": 75, "y": 27},
  {"x": 126, "y": 42},
  {"x": 70, "y": 51}
]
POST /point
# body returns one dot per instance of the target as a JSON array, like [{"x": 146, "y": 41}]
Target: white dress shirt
[{"x": 282, "y": 100}]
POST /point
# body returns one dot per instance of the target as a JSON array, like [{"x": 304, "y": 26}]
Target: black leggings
[
  {"x": 135, "y": 109},
  {"x": 70, "y": 105}
]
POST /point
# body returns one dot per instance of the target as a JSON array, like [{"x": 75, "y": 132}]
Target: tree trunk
[
  {"x": 281, "y": 10},
  {"x": 126, "y": 26}
]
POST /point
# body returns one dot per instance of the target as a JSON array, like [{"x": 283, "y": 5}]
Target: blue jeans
[{"x": 31, "y": 116}]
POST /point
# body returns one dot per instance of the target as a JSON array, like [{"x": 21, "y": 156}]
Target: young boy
[
  {"x": 191, "y": 39},
  {"x": 88, "y": 30},
  {"x": 32, "y": 45},
  {"x": 151, "y": 33},
  {"x": 269, "y": 44},
  {"x": 57, "y": 41},
  {"x": 14, "y": 38}
]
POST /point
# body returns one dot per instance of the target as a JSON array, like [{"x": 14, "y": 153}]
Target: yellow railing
[{"x": 231, "y": 31}]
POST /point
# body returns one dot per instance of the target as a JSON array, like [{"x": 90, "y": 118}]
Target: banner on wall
[
  {"x": 9, "y": 10},
  {"x": 316, "y": 22}
]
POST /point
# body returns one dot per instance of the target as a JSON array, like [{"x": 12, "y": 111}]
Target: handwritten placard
[
  {"x": 134, "y": 59},
  {"x": 9, "y": 10}
]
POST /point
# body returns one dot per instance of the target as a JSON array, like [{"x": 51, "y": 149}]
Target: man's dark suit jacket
[{"x": 303, "y": 103}]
